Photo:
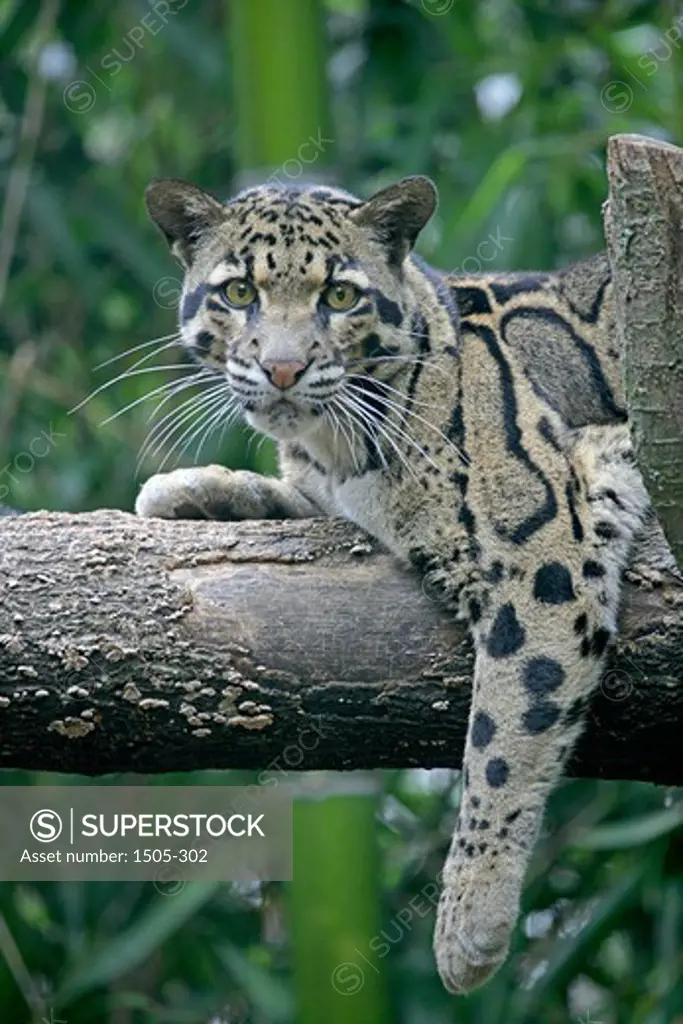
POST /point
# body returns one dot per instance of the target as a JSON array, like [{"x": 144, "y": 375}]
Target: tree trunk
[
  {"x": 644, "y": 228},
  {"x": 152, "y": 646}
]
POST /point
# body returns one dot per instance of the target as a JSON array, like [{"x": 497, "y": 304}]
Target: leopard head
[{"x": 291, "y": 294}]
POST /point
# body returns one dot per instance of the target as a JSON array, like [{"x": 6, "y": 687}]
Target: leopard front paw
[
  {"x": 204, "y": 492},
  {"x": 475, "y": 919}
]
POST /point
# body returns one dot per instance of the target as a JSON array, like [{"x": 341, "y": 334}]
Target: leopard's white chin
[{"x": 283, "y": 421}]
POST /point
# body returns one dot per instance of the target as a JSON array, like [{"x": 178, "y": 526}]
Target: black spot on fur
[
  {"x": 581, "y": 623},
  {"x": 419, "y": 332},
  {"x": 592, "y": 570},
  {"x": 203, "y": 341},
  {"x": 541, "y": 716},
  {"x": 388, "y": 310},
  {"x": 497, "y": 772},
  {"x": 505, "y": 292},
  {"x": 553, "y": 584},
  {"x": 474, "y": 610},
  {"x": 475, "y": 801},
  {"x": 461, "y": 481},
  {"x": 456, "y": 429},
  {"x": 507, "y": 634},
  {"x": 484, "y": 824},
  {"x": 571, "y": 489},
  {"x": 298, "y": 452},
  {"x": 547, "y": 433},
  {"x": 483, "y": 730},
  {"x": 613, "y": 496},
  {"x": 192, "y": 302},
  {"x": 472, "y": 300},
  {"x": 601, "y": 638},
  {"x": 543, "y": 675},
  {"x": 422, "y": 560},
  {"x": 606, "y": 531},
  {"x": 373, "y": 348},
  {"x": 513, "y": 815},
  {"x": 494, "y": 573},
  {"x": 466, "y": 517}
]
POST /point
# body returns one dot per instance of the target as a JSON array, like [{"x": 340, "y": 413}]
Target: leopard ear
[
  {"x": 397, "y": 214},
  {"x": 183, "y": 212}
]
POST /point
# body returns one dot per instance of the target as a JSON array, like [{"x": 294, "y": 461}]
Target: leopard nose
[{"x": 283, "y": 374}]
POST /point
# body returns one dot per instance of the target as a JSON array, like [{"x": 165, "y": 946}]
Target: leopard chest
[{"x": 403, "y": 515}]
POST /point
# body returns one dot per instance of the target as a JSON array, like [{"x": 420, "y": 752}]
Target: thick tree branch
[
  {"x": 644, "y": 229},
  {"x": 151, "y": 646}
]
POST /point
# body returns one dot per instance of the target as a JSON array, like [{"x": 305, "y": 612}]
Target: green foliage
[{"x": 507, "y": 104}]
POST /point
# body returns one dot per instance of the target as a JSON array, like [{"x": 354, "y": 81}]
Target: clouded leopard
[{"x": 475, "y": 425}]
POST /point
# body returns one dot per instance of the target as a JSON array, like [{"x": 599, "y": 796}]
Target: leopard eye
[
  {"x": 341, "y": 297},
  {"x": 239, "y": 292}
]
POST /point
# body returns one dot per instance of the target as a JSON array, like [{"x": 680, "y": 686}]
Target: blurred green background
[{"x": 507, "y": 104}]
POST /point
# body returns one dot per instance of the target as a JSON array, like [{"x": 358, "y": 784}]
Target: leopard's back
[{"x": 559, "y": 328}]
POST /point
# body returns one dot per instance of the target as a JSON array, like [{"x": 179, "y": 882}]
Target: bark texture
[
  {"x": 151, "y": 646},
  {"x": 644, "y": 228}
]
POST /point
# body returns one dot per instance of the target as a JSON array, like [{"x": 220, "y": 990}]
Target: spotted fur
[{"x": 476, "y": 426}]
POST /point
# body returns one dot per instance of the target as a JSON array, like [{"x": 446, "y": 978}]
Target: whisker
[
  {"x": 398, "y": 430},
  {"x": 193, "y": 429},
  {"x": 165, "y": 426},
  {"x": 386, "y": 434},
  {"x": 175, "y": 337},
  {"x": 159, "y": 434},
  {"x": 369, "y": 429},
  {"x": 262, "y": 441},
  {"x": 411, "y": 358},
  {"x": 231, "y": 419},
  {"x": 131, "y": 373},
  {"x": 388, "y": 425},
  {"x": 211, "y": 416},
  {"x": 404, "y": 411},
  {"x": 232, "y": 414},
  {"x": 174, "y": 386},
  {"x": 329, "y": 413},
  {"x": 355, "y": 413},
  {"x": 193, "y": 401},
  {"x": 157, "y": 437},
  {"x": 357, "y": 378},
  {"x": 348, "y": 438}
]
